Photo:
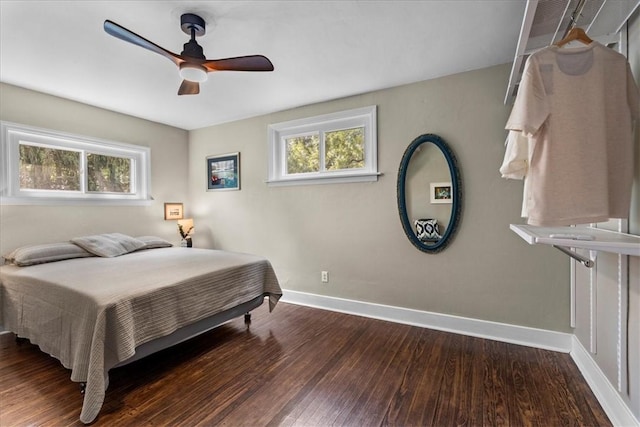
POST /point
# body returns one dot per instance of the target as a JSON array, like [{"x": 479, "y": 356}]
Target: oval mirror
[{"x": 429, "y": 193}]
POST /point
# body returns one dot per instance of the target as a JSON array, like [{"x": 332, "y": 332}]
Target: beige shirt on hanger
[{"x": 576, "y": 106}]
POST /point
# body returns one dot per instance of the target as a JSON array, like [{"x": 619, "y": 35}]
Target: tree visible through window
[
  {"x": 108, "y": 174},
  {"x": 303, "y": 154},
  {"x": 335, "y": 147},
  {"x": 344, "y": 149},
  {"x": 43, "y": 168}
]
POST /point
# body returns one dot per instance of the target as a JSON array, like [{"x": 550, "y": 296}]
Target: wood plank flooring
[{"x": 300, "y": 366}]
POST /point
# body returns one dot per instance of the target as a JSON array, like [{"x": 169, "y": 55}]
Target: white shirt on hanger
[{"x": 576, "y": 108}]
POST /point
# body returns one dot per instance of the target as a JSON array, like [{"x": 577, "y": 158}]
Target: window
[
  {"x": 46, "y": 167},
  {"x": 339, "y": 147}
]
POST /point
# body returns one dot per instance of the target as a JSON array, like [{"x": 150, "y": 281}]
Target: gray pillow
[
  {"x": 153, "y": 242},
  {"x": 109, "y": 245},
  {"x": 47, "y": 252}
]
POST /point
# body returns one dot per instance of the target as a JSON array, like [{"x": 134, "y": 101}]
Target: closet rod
[
  {"x": 573, "y": 254},
  {"x": 574, "y": 17}
]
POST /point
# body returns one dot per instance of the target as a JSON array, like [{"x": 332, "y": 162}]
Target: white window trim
[
  {"x": 360, "y": 117},
  {"x": 10, "y": 193}
]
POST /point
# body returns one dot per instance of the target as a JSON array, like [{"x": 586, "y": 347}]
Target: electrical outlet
[{"x": 324, "y": 276}]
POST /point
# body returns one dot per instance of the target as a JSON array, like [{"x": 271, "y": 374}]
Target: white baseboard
[
  {"x": 531, "y": 337},
  {"x": 613, "y": 405},
  {"x": 609, "y": 398}
]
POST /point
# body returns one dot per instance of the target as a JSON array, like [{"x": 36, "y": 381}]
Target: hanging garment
[
  {"x": 516, "y": 163},
  {"x": 576, "y": 108}
]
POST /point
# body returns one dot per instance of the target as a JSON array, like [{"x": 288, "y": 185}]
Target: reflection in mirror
[
  {"x": 427, "y": 178},
  {"x": 429, "y": 193}
]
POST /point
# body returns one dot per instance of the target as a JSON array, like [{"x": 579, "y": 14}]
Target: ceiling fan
[{"x": 192, "y": 63}]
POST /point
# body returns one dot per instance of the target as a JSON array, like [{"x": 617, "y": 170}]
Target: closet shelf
[{"x": 603, "y": 240}]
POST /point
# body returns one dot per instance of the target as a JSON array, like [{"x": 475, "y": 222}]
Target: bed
[{"x": 93, "y": 310}]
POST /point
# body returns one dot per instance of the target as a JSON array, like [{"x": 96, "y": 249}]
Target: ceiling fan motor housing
[{"x": 193, "y": 49}]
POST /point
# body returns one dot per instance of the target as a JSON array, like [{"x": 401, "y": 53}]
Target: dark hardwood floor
[{"x": 307, "y": 367}]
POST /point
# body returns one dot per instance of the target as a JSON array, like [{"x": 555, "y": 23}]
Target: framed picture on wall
[
  {"x": 173, "y": 211},
  {"x": 223, "y": 172},
  {"x": 440, "y": 192}
]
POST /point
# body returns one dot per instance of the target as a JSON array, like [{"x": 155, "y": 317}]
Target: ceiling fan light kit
[
  {"x": 193, "y": 72},
  {"x": 192, "y": 64}
]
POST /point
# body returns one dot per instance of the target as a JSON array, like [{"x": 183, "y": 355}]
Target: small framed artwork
[
  {"x": 173, "y": 211},
  {"x": 223, "y": 172},
  {"x": 441, "y": 192}
]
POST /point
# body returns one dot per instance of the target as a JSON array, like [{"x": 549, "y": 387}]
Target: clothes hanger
[{"x": 576, "y": 33}]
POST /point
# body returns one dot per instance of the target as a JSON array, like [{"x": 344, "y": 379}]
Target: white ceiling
[{"x": 321, "y": 50}]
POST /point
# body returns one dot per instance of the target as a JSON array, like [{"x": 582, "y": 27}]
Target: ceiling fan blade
[
  {"x": 123, "y": 34},
  {"x": 240, "y": 63},
  {"x": 189, "y": 88}
]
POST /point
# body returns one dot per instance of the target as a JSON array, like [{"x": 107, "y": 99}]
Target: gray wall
[
  {"x": 22, "y": 225},
  {"x": 353, "y": 230}
]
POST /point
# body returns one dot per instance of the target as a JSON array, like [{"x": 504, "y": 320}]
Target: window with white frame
[
  {"x": 48, "y": 167},
  {"x": 337, "y": 147}
]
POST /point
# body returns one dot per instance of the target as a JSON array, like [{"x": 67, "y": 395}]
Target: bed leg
[
  {"x": 83, "y": 387},
  {"x": 247, "y": 319}
]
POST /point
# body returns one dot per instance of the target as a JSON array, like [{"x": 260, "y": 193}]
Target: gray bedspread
[{"x": 91, "y": 313}]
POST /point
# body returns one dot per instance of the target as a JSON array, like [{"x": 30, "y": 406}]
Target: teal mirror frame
[{"x": 456, "y": 190}]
